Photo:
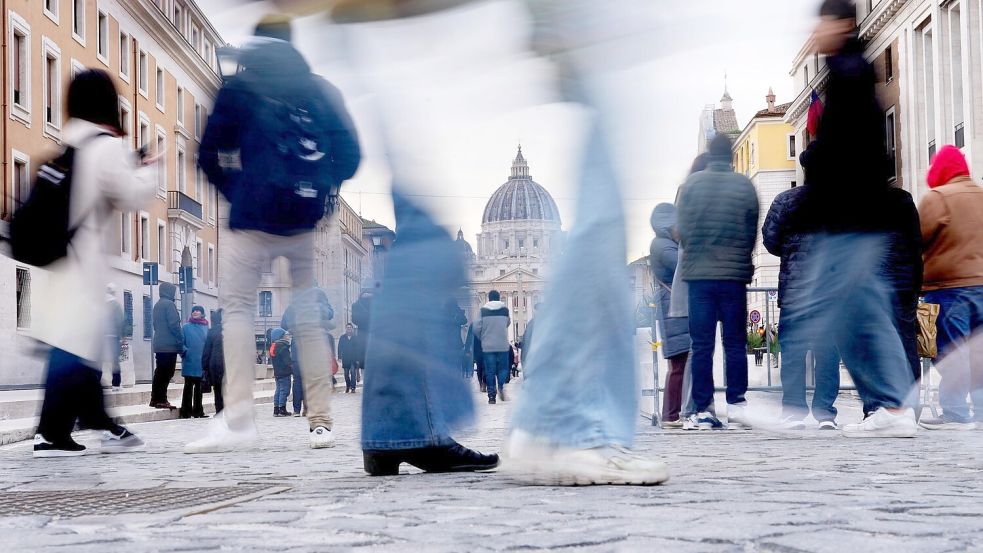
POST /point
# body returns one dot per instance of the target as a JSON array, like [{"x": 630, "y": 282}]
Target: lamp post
[{"x": 228, "y": 61}]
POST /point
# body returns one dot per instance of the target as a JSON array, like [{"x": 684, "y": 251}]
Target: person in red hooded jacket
[{"x": 952, "y": 237}]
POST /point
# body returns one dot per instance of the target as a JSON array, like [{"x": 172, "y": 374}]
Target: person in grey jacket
[
  {"x": 492, "y": 328},
  {"x": 718, "y": 226},
  {"x": 168, "y": 343}
]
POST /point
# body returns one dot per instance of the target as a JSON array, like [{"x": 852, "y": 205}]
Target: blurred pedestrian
[
  {"x": 293, "y": 146},
  {"x": 952, "y": 232},
  {"x": 479, "y": 359},
  {"x": 673, "y": 331},
  {"x": 348, "y": 354},
  {"x": 115, "y": 331},
  {"x": 282, "y": 370},
  {"x": 168, "y": 343},
  {"x": 718, "y": 227},
  {"x": 326, "y": 316},
  {"x": 455, "y": 319},
  {"x": 105, "y": 176},
  {"x": 492, "y": 328},
  {"x": 195, "y": 333},
  {"x": 903, "y": 270},
  {"x": 213, "y": 360}
]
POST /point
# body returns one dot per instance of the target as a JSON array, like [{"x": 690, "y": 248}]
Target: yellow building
[{"x": 766, "y": 152}]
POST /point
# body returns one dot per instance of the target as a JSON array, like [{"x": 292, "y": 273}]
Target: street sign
[
  {"x": 266, "y": 304},
  {"x": 186, "y": 279},
  {"x": 772, "y": 295},
  {"x": 150, "y": 274},
  {"x": 755, "y": 316}
]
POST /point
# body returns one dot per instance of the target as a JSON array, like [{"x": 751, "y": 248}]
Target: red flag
[{"x": 815, "y": 114}]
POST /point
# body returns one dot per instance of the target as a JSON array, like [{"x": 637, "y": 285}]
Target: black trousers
[
  {"x": 166, "y": 362},
  {"x": 72, "y": 391},
  {"x": 219, "y": 402},
  {"x": 191, "y": 398}
]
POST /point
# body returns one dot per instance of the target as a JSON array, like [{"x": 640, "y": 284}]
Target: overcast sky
[{"x": 456, "y": 93}]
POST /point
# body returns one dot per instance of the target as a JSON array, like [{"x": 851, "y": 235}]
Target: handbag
[
  {"x": 928, "y": 316},
  {"x": 334, "y": 366}
]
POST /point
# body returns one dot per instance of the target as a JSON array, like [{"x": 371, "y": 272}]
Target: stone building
[
  {"x": 378, "y": 240},
  {"x": 520, "y": 230},
  {"x": 714, "y": 121},
  {"x": 162, "y": 54}
]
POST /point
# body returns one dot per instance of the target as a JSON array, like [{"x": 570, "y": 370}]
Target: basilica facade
[{"x": 520, "y": 230}]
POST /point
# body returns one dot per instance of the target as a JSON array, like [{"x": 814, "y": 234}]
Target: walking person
[
  {"x": 168, "y": 343},
  {"x": 213, "y": 360},
  {"x": 903, "y": 271},
  {"x": 348, "y": 354},
  {"x": 116, "y": 331},
  {"x": 952, "y": 233},
  {"x": 105, "y": 176},
  {"x": 718, "y": 227},
  {"x": 845, "y": 278},
  {"x": 195, "y": 333},
  {"x": 283, "y": 121},
  {"x": 782, "y": 237},
  {"x": 479, "y": 359},
  {"x": 673, "y": 331},
  {"x": 282, "y": 370},
  {"x": 287, "y": 323},
  {"x": 492, "y": 328}
]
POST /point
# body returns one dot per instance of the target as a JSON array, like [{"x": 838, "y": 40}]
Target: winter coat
[
  {"x": 902, "y": 267},
  {"x": 168, "y": 335},
  {"x": 117, "y": 319},
  {"x": 105, "y": 178},
  {"x": 324, "y": 306},
  {"x": 783, "y": 238},
  {"x": 273, "y": 69},
  {"x": 280, "y": 352},
  {"x": 492, "y": 328},
  {"x": 213, "y": 353},
  {"x": 348, "y": 351},
  {"x": 673, "y": 331},
  {"x": 361, "y": 314},
  {"x": 952, "y": 230},
  {"x": 455, "y": 318},
  {"x": 194, "y": 340},
  {"x": 718, "y": 224}
]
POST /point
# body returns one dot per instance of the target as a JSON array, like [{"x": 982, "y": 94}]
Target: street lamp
[{"x": 228, "y": 61}]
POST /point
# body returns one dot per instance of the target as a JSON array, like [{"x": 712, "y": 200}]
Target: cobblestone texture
[{"x": 730, "y": 491}]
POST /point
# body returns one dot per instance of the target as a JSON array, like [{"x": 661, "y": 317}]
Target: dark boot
[{"x": 452, "y": 458}]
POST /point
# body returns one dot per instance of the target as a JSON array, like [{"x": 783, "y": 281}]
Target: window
[
  {"x": 806, "y": 73},
  {"x": 890, "y": 130},
  {"x": 124, "y": 56},
  {"x": 51, "y": 9},
  {"x": 196, "y": 38},
  {"x": 181, "y": 184},
  {"x": 52, "y": 85},
  {"x": 126, "y": 119},
  {"x": 213, "y": 206},
  {"x": 21, "y": 68},
  {"x": 23, "y": 298},
  {"x": 148, "y": 317},
  {"x": 162, "y": 244},
  {"x": 160, "y": 89},
  {"x": 78, "y": 20},
  {"x": 535, "y": 242},
  {"x": 127, "y": 314},
  {"x": 501, "y": 272},
  {"x": 142, "y": 75},
  {"x": 211, "y": 263},
  {"x": 144, "y": 237},
  {"x": 199, "y": 184},
  {"x": 199, "y": 258},
  {"x": 125, "y": 235},
  {"x": 955, "y": 68},
  {"x": 960, "y": 138},
  {"x": 179, "y": 18},
  {"x": 21, "y": 180},
  {"x": 102, "y": 36},
  {"x": 143, "y": 136},
  {"x": 522, "y": 243},
  {"x": 180, "y": 106},
  {"x": 791, "y": 146},
  {"x": 931, "y": 149},
  {"x": 197, "y": 120},
  {"x": 505, "y": 244},
  {"x": 77, "y": 68},
  {"x": 794, "y": 184},
  {"x": 535, "y": 271},
  {"x": 208, "y": 52},
  {"x": 162, "y": 165},
  {"x": 888, "y": 64}
]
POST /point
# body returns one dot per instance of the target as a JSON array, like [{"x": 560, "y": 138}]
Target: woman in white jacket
[{"x": 106, "y": 175}]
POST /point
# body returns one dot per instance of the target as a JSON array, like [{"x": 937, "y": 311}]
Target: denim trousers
[
  {"x": 351, "y": 377},
  {"x": 793, "y": 372},
  {"x": 710, "y": 302},
  {"x": 844, "y": 299},
  {"x": 414, "y": 395},
  {"x": 282, "y": 391},
  {"x": 72, "y": 391},
  {"x": 960, "y": 360},
  {"x": 496, "y": 369},
  {"x": 297, "y": 394}
]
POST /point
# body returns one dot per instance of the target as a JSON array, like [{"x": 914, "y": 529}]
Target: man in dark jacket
[
  {"x": 349, "y": 355},
  {"x": 492, "y": 328},
  {"x": 168, "y": 343},
  {"x": 213, "y": 360},
  {"x": 845, "y": 293},
  {"x": 718, "y": 226},
  {"x": 278, "y": 145},
  {"x": 782, "y": 239}
]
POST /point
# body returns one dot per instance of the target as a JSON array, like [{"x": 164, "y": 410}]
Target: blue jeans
[
  {"x": 351, "y": 377},
  {"x": 282, "y": 391},
  {"x": 845, "y": 300},
  {"x": 960, "y": 361},
  {"x": 414, "y": 395},
  {"x": 496, "y": 368},
  {"x": 298, "y": 391},
  {"x": 827, "y": 371},
  {"x": 579, "y": 384},
  {"x": 711, "y": 301}
]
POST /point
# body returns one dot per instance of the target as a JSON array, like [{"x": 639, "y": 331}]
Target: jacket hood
[
  {"x": 494, "y": 305},
  {"x": 663, "y": 220},
  {"x": 948, "y": 164},
  {"x": 167, "y": 291},
  {"x": 272, "y": 66},
  {"x": 277, "y": 333}
]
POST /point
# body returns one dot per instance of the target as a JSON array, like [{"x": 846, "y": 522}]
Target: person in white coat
[{"x": 106, "y": 176}]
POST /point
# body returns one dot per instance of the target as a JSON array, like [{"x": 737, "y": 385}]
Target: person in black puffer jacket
[{"x": 213, "y": 360}]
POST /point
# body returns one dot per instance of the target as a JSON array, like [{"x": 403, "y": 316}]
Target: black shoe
[
  {"x": 45, "y": 449},
  {"x": 276, "y": 412},
  {"x": 453, "y": 458},
  {"x": 482, "y": 388},
  {"x": 491, "y": 401},
  {"x": 184, "y": 415}
]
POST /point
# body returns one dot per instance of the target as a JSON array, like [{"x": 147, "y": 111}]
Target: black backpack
[{"x": 40, "y": 233}]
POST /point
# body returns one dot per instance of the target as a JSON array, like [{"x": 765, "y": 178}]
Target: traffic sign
[
  {"x": 186, "y": 280},
  {"x": 755, "y": 316},
  {"x": 150, "y": 274},
  {"x": 772, "y": 295}
]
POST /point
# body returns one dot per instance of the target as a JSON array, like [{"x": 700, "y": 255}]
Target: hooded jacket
[
  {"x": 663, "y": 256},
  {"x": 783, "y": 238},
  {"x": 272, "y": 69},
  {"x": 168, "y": 335},
  {"x": 213, "y": 353},
  {"x": 952, "y": 225},
  {"x": 492, "y": 327}
]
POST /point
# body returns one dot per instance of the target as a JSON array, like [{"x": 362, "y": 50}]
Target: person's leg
[
  {"x": 974, "y": 295},
  {"x": 702, "y": 330},
  {"x": 908, "y": 330},
  {"x": 480, "y": 370},
  {"x": 219, "y": 400},
  {"x": 115, "y": 348},
  {"x": 733, "y": 312},
  {"x": 298, "y": 389},
  {"x": 827, "y": 371},
  {"x": 166, "y": 364},
  {"x": 503, "y": 371},
  {"x": 90, "y": 401},
  {"x": 672, "y": 400},
  {"x": 349, "y": 378},
  {"x": 59, "y": 408},
  {"x": 186, "y": 398},
  {"x": 491, "y": 374},
  {"x": 953, "y": 362},
  {"x": 793, "y": 367},
  {"x": 197, "y": 409},
  {"x": 282, "y": 389}
]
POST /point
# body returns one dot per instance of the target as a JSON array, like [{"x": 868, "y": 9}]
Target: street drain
[{"x": 78, "y": 503}]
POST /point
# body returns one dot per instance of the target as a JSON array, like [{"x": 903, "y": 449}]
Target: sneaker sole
[
  {"x": 122, "y": 448},
  {"x": 895, "y": 433},
  {"x": 56, "y": 453},
  {"x": 950, "y": 426},
  {"x": 322, "y": 445},
  {"x": 558, "y": 476}
]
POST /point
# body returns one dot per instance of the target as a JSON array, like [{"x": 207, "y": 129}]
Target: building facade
[
  {"x": 714, "y": 121},
  {"x": 377, "y": 239},
  {"x": 520, "y": 230},
  {"x": 162, "y": 56}
]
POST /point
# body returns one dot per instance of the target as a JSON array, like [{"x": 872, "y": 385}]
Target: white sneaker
[
  {"x": 321, "y": 437},
  {"x": 501, "y": 393},
  {"x": 792, "y": 422},
  {"x": 942, "y": 423},
  {"x": 827, "y": 425},
  {"x": 535, "y": 462},
  {"x": 884, "y": 424},
  {"x": 221, "y": 438},
  {"x": 737, "y": 416}
]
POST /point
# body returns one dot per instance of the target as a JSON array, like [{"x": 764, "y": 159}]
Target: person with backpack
[
  {"x": 97, "y": 173},
  {"x": 278, "y": 146}
]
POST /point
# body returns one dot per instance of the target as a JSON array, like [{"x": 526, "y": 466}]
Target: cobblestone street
[{"x": 730, "y": 491}]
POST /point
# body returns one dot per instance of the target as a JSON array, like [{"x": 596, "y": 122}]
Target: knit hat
[
  {"x": 840, "y": 9},
  {"x": 948, "y": 164},
  {"x": 198, "y": 308}
]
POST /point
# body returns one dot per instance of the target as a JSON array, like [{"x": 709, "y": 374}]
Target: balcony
[{"x": 183, "y": 207}]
